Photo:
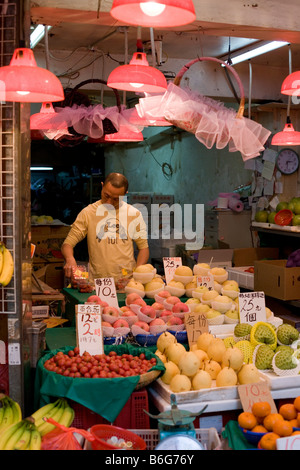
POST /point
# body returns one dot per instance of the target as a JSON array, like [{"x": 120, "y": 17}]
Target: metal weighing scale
[{"x": 177, "y": 425}]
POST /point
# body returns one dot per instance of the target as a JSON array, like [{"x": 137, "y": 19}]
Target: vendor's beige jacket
[{"x": 110, "y": 235}]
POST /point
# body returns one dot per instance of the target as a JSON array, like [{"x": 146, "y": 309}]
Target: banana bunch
[
  {"x": 60, "y": 411},
  {"x": 10, "y": 412},
  {"x": 6, "y": 265},
  {"x": 22, "y": 435}
]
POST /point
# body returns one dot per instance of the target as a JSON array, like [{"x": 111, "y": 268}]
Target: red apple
[
  {"x": 180, "y": 307},
  {"x": 131, "y": 297},
  {"x": 174, "y": 321},
  {"x": 158, "y": 306},
  {"x": 143, "y": 325},
  {"x": 125, "y": 308},
  {"x": 157, "y": 322},
  {"x": 149, "y": 311},
  {"x": 109, "y": 310},
  {"x": 105, "y": 323},
  {"x": 94, "y": 299},
  {"x": 164, "y": 294},
  {"x": 121, "y": 323},
  {"x": 173, "y": 299},
  {"x": 139, "y": 301},
  {"x": 128, "y": 313},
  {"x": 165, "y": 313}
]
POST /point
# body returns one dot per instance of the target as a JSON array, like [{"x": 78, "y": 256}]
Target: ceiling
[{"x": 88, "y": 24}]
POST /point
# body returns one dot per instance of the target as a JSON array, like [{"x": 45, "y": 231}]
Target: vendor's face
[{"x": 112, "y": 195}]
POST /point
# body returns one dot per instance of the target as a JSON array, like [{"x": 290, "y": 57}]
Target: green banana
[
  {"x": 7, "y": 270},
  {"x": 8, "y": 433},
  {"x": 14, "y": 438},
  {"x": 44, "y": 411},
  {"x": 47, "y": 427},
  {"x": 8, "y": 416},
  {"x": 23, "y": 442},
  {"x": 35, "y": 442}
]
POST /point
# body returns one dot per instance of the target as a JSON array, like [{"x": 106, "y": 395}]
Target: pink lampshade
[
  {"x": 137, "y": 76},
  {"x": 23, "y": 81},
  {"x": 124, "y": 134},
  {"x": 155, "y": 13},
  {"x": 291, "y": 84},
  {"x": 40, "y": 120},
  {"x": 287, "y": 137}
]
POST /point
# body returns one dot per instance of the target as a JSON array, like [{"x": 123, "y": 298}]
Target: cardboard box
[
  {"x": 274, "y": 279},
  {"x": 48, "y": 240},
  {"x": 216, "y": 258},
  {"x": 247, "y": 256}
]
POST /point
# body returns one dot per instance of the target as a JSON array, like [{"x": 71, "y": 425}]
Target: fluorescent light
[
  {"x": 41, "y": 168},
  {"x": 259, "y": 48},
  {"x": 37, "y": 35}
]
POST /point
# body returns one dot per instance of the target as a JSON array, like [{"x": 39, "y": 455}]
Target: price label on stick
[
  {"x": 252, "y": 307},
  {"x": 170, "y": 265},
  {"x": 89, "y": 329},
  {"x": 206, "y": 281},
  {"x": 106, "y": 289},
  {"x": 254, "y": 392},
  {"x": 196, "y": 324}
]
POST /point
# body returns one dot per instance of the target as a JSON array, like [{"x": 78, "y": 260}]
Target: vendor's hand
[{"x": 70, "y": 263}]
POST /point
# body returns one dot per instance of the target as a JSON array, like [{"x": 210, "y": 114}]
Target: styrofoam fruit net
[
  {"x": 219, "y": 320},
  {"x": 156, "y": 329},
  {"x": 150, "y": 294},
  {"x": 132, "y": 290},
  {"x": 222, "y": 307},
  {"x": 177, "y": 291},
  {"x": 230, "y": 320},
  {"x": 176, "y": 327},
  {"x": 285, "y": 372},
  {"x": 233, "y": 294}
]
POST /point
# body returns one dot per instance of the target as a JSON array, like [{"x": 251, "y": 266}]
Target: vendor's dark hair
[{"x": 117, "y": 180}]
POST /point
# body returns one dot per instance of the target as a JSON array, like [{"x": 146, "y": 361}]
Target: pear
[
  {"x": 233, "y": 357},
  {"x": 189, "y": 363},
  {"x": 180, "y": 383},
  {"x": 164, "y": 340},
  {"x": 227, "y": 377},
  {"x": 171, "y": 370},
  {"x": 202, "y": 356},
  {"x": 201, "y": 380},
  {"x": 248, "y": 374},
  {"x": 161, "y": 356},
  {"x": 216, "y": 350},
  {"x": 204, "y": 341},
  {"x": 212, "y": 367},
  {"x": 175, "y": 351}
]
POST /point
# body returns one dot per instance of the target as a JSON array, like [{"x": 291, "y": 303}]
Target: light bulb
[
  {"x": 23, "y": 92},
  {"x": 152, "y": 8},
  {"x": 136, "y": 85}
]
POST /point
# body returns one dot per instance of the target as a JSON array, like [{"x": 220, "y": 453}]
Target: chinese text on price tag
[
  {"x": 89, "y": 329},
  {"x": 206, "y": 281},
  {"x": 196, "y": 324},
  {"x": 252, "y": 307},
  {"x": 170, "y": 265},
  {"x": 106, "y": 289}
]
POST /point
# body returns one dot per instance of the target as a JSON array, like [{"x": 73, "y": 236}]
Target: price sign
[
  {"x": 252, "y": 393},
  {"x": 206, "y": 281},
  {"x": 170, "y": 265},
  {"x": 196, "y": 324},
  {"x": 89, "y": 329},
  {"x": 252, "y": 307},
  {"x": 288, "y": 443},
  {"x": 106, "y": 289}
]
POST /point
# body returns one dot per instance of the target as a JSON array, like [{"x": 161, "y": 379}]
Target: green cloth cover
[
  {"x": 235, "y": 437},
  {"x": 105, "y": 397}
]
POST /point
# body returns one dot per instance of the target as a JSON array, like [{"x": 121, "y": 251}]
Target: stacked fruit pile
[
  {"x": 269, "y": 425},
  {"x": 6, "y": 265},
  {"x": 268, "y": 216},
  {"x": 18, "y": 433}
]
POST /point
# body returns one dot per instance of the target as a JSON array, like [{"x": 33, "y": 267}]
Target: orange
[
  {"x": 283, "y": 428},
  {"x": 247, "y": 420},
  {"x": 259, "y": 428},
  {"x": 294, "y": 423},
  {"x": 295, "y": 433},
  {"x": 297, "y": 403},
  {"x": 298, "y": 420},
  {"x": 270, "y": 420},
  {"x": 288, "y": 411},
  {"x": 268, "y": 441},
  {"x": 260, "y": 409}
]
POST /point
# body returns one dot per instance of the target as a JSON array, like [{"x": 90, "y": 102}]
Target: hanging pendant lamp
[
  {"x": 124, "y": 134},
  {"x": 291, "y": 84},
  {"x": 137, "y": 76},
  {"x": 288, "y": 136},
  {"x": 23, "y": 81},
  {"x": 155, "y": 13},
  {"x": 42, "y": 120}
]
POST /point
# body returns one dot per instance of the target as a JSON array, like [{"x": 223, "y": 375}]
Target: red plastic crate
[{"x": 131, "y": 416}]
